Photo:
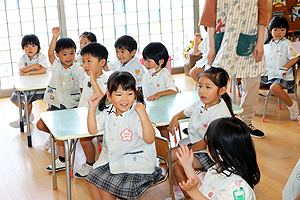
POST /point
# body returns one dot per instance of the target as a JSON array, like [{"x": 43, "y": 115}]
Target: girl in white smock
[
  {"x": 236, "y": 171},
  {"x": 126, "y": 166}
]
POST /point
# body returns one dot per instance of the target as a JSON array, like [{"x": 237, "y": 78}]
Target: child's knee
[{"x": 85, "y": 142}]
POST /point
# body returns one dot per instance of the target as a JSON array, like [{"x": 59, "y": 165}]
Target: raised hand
[
  {"x": 56, "y": 31},
  {"x": 185, "y": 156},
  {"x": 94, "y": 100}
]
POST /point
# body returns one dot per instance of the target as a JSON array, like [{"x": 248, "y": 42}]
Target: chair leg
[
  {"x": 265, "y": 108},
  {"x": 279, "y": 104}
]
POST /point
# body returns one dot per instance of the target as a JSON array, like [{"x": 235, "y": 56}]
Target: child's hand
[
  {"x": 185, "y": 156},
  {"x": 197, "y": 37},
  {"x": 140, "y": 109},
  {"x": 94, "y": 100},
  {"x": 153, "y": 97},
  {"x": 211, "y": 55},
  {"x": 190, "y": 184},
  {"x": 56, "y": 31},
  {"x": 173, "y": 126}
]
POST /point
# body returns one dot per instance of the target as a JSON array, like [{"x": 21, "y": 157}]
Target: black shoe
[
  {"x": 185, "y": 131},
  {"x": 255, "y": 132}
]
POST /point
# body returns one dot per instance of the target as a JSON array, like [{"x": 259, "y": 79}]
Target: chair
[
  {"x": 294, "y": 88},
  {"x": 163, "y": 151}
]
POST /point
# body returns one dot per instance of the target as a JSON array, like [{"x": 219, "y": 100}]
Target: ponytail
[
  {"x": 102, "y": 102},
  {"x": 227, "y": 100}
]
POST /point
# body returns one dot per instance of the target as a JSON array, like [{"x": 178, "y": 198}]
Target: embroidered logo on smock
[
  {"x": 126, "y": 135},
  {"x": 298, "y": 175},
  {"x": 137, "y": 71},
  {"x": 158, "y": 85},
  {"x": 210, "y": 194},
  {"x": 73, "y": 76},
  {"x": 26, "y": 64}
]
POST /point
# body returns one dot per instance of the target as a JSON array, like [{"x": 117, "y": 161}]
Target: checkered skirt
[
  {"x": 38, "y": 96},
  {"x": 123, "y": 185}
]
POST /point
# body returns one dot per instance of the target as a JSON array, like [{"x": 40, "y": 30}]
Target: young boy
[
  {"x": 126, "y": 48},
  {"x": 94, "y": 57},
  {"x": 63, "y": 91}
]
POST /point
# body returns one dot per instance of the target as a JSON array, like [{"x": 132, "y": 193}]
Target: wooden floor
[{"x": 23, "y": 175}]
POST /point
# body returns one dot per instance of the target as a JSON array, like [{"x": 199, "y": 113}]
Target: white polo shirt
[
  {"x": 161, "y": 81},
  {"x": 38, "y": 58},
  {"x": 124, "y": 150},
  {"x": 64, "y": 85}
]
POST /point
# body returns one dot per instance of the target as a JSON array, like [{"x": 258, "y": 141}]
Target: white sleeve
[
  {"x": 232, "y": 191},
  {"x": 170, "y": 83},
  {"x": 140, "y": 130},
  {"x": 103, "y": 88},
  {"x": 113, "y": 65},
  {"x": 21, "y": 63},
  {"x": 190, "y": 109},
  {"x": 43, "y": 60},
  {"x": 291, "y": 51},
  {"x": 54, "y": 64},
  {"x": 100, "y": 122},
  {"x": 82, "y": 77}
]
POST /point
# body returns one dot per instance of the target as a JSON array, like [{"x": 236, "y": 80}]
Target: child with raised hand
[
  {"x": 236, "y": 171},
  {"x": 126, "y": 166},
  {"x": 214, "y": 103},
  {"x": 64, "y": 88},
  {"x": 94, "y": 56},
  {"x": 31, "y": 63},
  {"x": 126, "y": 48},
  {"x": 280, "y": 56},
  {"x": 85, "y": 38}
]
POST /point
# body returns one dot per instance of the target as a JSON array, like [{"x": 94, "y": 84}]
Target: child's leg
[
  {"x": 94, "y": 191},
  {"x": 40, "y": 125},
  {"x": 88, "y": 148},
  {"x": 61, "y": 148},
  {"x": 277, "y": 90},
  {"x": 29, "y": 106},
  {"x": 106, "y": 195},
  {"x": 164, "y": 131}
]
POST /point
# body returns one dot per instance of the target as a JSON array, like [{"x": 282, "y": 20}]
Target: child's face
[
  {"x": 150, "y": 63},
  {"x": 66, "y": 56},
  {"x": 91, "y": 63},
  {"x": 208, "y": 92},
  {"x": 30, "y": 50},
  {"x": 122, "y": 100},
  {"x": 278, "y": 33},
  {"x": 124, "y": 56},
  {"x": 84, "y": 41}
]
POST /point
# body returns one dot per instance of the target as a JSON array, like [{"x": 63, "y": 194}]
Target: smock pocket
[
  {"x": 218, "y": 40},
  {"x": 76, "y": 97},
  {"x": 246, "y": 44}
]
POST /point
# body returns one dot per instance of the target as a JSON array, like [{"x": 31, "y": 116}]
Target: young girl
[
  {"x": 214, "y": 103},
  {"x": 236, "y": 171},
  {"x": 32, "y": 62},
  {"x": 85, "y": 38},
  {"x": 280, "y": 55},
  {"x": 157, "y": 81},
  {"x": 126, "y": 166}
]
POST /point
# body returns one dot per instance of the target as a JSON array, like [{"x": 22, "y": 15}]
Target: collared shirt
[
  {"x": 124, "y": 149},
  {"x": 161, "y": 81},
  {"x": 38, "y": 58}
]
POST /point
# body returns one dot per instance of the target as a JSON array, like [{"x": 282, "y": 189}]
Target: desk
[
  {"x": 72, "y": 123},
  {"x": 25, "y": 84}
]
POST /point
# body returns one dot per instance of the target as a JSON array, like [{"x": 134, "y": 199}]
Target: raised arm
[
  {"x": 91, "y": 118},
  {"x": 148, "y": 130},
  {"x": 196, "y": 51},
  {"x": 95, "y": 85},
  {"x": 51, "y": 51}
]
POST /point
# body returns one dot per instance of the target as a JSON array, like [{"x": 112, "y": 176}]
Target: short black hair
[
  {"x": 156, "y": 51},
  {"x": 64, "y": 43},
  {"x": 89, "y": 35},
  {"x": 96, "y": 50},
  {"x": 126, "y": 42},
  {"x": 31, "y": 39}
]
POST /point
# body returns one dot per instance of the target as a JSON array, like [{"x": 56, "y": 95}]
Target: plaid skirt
[
  {"x": 38, "y": 96},
  {"x": 123, "y": 185},
  {"x": 205, "y": 160},
  {"x": 284, "y": 83}
]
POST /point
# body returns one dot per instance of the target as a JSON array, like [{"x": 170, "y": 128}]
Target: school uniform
[
  {"x": 79, "y": 59},
  {"x": 278, "y": 53},
  {"x": 161, "y": 81},
  {"x": 292, "y": 187},
  {"x": 225, "y": 185},
  {"x": 126, "y": 165},
  {"x": 88, "y": 89},
  {"x": 25, "y": 61},
  {"x": 134, "y": 66},
  {"x": 200, "y": 119},
  {"x": 64, "y": 85}
]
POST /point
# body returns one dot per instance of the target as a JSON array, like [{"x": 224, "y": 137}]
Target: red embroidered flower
[{"x": 158, "y": 85}]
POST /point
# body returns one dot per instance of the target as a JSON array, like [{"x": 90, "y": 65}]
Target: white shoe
[
  {"x": 16, "y": 123},
  {"x": 47, "y": 144},
  {"x": 84, "y": 171},
  {"x": 56, "y": 150},
  {"x": 240, "y": 89},
  {"x": 58, "y": 164},
  {"x": 294, "y": 110}
]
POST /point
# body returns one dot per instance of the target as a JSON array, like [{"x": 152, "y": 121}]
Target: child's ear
[
  {"x": 56, "y": 54},
  {"x": 222, "y": 90},
  {"x": 161, "y": 61},
  {"x": 133, "y": 53},
  {"x": 102, "y": 62},
  {"x": 108, "y": 95}
]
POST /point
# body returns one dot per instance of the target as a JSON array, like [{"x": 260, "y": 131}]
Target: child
[
  {"x": 126, "y": 166},
  {"x": 85, "y": 38},
  {"x": 157, "y": 81},
  {"x": 236, "y": 171},
  {"x": 280, "y": 55},
  {"x": 94, "y": 56},
  {"x": 235, "y": 37},
  {"x": 32, "y": 62},
  {"x": 214, "y": 103},
  {"x": 126, "y": 48},
  {"x": 63, "y": 90}
]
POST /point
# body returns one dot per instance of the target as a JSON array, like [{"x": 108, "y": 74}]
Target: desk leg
[
  {"x": 66, "y": 142},
  {"x": 27, "y": 120},
  {"x": 20, "y": 112},
  {"x": 54, "y": 176}
]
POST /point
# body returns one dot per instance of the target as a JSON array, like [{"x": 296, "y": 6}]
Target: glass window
[
  {"x": 131, "y": 18},
  {"x": 130, "y": 6},
  {"x": 14, "y": 29},
  {"x": 154, "y": 4},
  {"x": 4, "y": 45},
  {"x": 143, "y": 17},
  {"x": 96, "y": 21},
  {"x": 142, "y": 5},
  {"x": 119, "y": 6},
  {"x": 13, "y": 16},
  {"x": 39, "y": 14},
  {"x": 154, "y": 16},
  {"x": 154, "y": 28},
  {"x": 2, "y": 17},
  {"x": 95, "y": 9},
  {"x": 107, "y": 8},
  {"x": 3, "y": 32},
  {"x": 83, "y": 10},
  {"x": 84, "y": 23},
  {"x": 27, "y": 28},
  {"x": 108, "y": 20},
  {"x": 26, "y": 15},
  {"x": 120, "y": 19},
  {"x": 132, "y": 30}
]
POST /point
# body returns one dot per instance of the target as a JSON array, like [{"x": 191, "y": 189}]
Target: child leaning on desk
[
  {"x": 63, "y": 90},
  {"x": 32, "y": 62},
  {"x": 214, "y": 103},
  {"x": 126, "y": 48},
  {"x": 157, "y": 81},
  {"x": 126, "y": 165},
  {"x": 94, "y": 56}
]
